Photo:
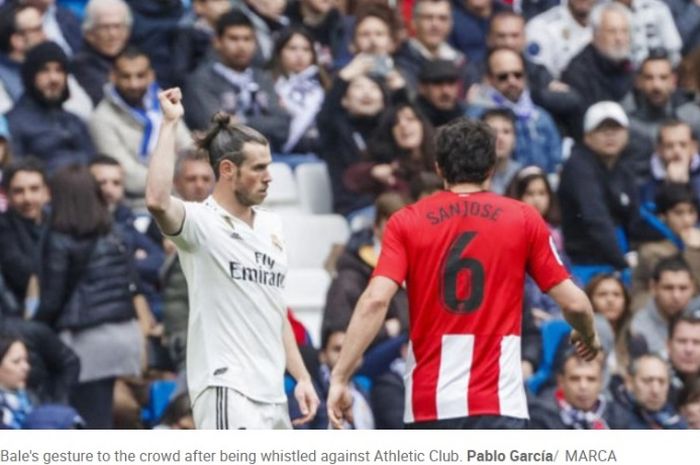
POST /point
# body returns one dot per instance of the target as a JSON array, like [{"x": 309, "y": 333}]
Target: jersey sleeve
[
  {"x": 393, "y": 260},
  {"x": 191, "y": 234},
  {"x": 543, "y": 262}
]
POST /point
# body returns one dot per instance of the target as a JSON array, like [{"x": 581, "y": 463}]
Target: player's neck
[
  {"x": 466, "y": 188},
  {"x": 231, "y": 205}
]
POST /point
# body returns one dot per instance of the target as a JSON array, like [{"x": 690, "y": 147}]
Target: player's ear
[{"x": 227, "y": 169}]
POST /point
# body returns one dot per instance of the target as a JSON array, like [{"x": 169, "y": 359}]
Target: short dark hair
[
  {"x": 77, "y": 205},
  {"x": 503, "y": 113},
  {"x": 674, "y": 263},
  {"x": 466, "y": 151},
  {"x": 386, "y": 205},
  {"x": 671, "y": 194},
  {"x": 6, "y": 340},
  {"x": 225, "y": 139},
  {"x": 570, "y": 354},
  {"x": 689, "y": 315},
  {"x": 655, "y": 54},
  {"x": 328, "y": 332},
  {"x": 27, "y": 164},
  {"x": 103, "y": 160},
  {"x": 233, "y": 18},
  {"x": 131, "y": 52},
  {"x": 673, "y": 123},
  {"x": 633, "y": 367}
]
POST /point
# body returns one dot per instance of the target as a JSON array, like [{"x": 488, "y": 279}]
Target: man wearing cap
[
  {"x": 38, "y": 123},
  {"x": 598, "y": 194},
  {"x": 438, "y": 92},
  {"x": 538, "y": 141}
]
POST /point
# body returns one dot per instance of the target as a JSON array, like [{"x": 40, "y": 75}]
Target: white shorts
[{"x": 225, "y": 408}]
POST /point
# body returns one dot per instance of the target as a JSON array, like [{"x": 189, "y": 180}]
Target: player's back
[{"x": 466, "y": 257}]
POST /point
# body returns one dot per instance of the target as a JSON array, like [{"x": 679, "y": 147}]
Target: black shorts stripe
[
  {"x": 225, "y": 408},
  {"x": 218, "y": 407}
]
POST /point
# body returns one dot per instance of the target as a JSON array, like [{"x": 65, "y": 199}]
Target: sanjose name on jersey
[
  {"x": 262, "y": 274},
  {"x": 464, "y": 208}
]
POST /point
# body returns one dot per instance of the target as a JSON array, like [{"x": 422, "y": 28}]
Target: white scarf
[
  {"x": 302, "y": 96},
  {"x": 244, "y": 86}
]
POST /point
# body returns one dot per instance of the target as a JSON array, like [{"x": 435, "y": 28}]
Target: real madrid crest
[{"x": 276, "y": 242}]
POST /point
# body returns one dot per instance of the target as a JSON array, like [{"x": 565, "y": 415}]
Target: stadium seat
[
  {"x": 314, "y": 185},
  {"x": 553, "y": 332},
  {"x": 310, "y": 238},
  {"x": 305, "y": 293},
  {"x": 159, "y": 396},
  {"x": 282, "y": 195}
]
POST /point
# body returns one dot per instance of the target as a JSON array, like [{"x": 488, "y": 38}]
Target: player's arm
[
  {"x": 578, "y": 312},
  {"x": 304, "y": 391},
  {"x": 168, "y": 211},
  {"x": 367, "y": 319}
]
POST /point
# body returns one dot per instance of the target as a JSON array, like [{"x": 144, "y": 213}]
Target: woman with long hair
[
  {"x": 611, "y": 299},
  {"x": 14, "y": 371},
  {"x": 87, "y": 284},
  {"x": 402, "y": 148},
  {"x": 299, "y": 84}
]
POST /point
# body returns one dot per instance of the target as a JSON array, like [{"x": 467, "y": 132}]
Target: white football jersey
[{"x": 235, "y": 277}]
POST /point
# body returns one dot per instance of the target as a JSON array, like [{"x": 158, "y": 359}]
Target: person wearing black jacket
[
  {"x": 87, "y": 284},
  {"x": 602, "y": 70},
  {"x": 598, "y": 192},
  {"x": 22, "y": 226}
]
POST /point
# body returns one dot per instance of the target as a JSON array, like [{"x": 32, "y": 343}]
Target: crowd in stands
[{"x": 595, "y": 106}]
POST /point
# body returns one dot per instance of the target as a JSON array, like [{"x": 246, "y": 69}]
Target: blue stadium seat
[
  {"x": 553, "y": 332},
  {"x": 160, "y": 393}
]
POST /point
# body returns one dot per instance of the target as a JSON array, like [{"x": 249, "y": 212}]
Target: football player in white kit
[{"x": 234, "y": 260}]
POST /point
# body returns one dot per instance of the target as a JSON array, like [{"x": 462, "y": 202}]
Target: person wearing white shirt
[{"x": 234, "y": 259}]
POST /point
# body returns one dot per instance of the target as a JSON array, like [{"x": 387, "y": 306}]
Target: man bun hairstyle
[{"x": 224, "y": 140}]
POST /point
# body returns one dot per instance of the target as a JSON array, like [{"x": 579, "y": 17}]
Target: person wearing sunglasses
[{"x": 538, "y": 140}]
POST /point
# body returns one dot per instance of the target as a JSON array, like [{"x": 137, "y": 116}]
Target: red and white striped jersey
[{"x": 464, "y": 258}]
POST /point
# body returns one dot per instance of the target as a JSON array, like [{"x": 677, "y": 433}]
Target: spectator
[
  {"x": 126, "y": 123},
  {"x": 684, "y": 352},
  {"x": 153, "y": 31},
  {"x": 611, "y": 299},
  {"x": 148, "y": 254},
  {"x": 537, "y": 137},
  {"x": 507, "y": 30},
  {"x": 38, "y": 123},
  {"x": 106, "y": 29},
  {"x": 327, "y": 26},
  {"x": 85, "y": 264},
  {"x": 645, "y": 395},
  {"x": 388, "y": 394},
  {"x": 689, "y": 112},
  {"x": 432, "y": 23},
  {"x": 194, "y": 181},
  {"x": 14, "y": 370},
  {"x": 354, "y": 269},
  {"x": 653, "y": 29},
  {"x": 578, "y": 402},
  {"x": 22, "y": 226},
  {"x": 438, "y": 92},
  {"x": 232, "y": 84},
  {"x": 598, "y": 195},
  {"x": 60, "y": 25},
  {"x": 23, "y": 31},
  {"x": 471, "y": 21},
  {"x": 653, "y": 101},
  {"x": 267, "y": 18},
  {"x": 347, "y": 121},
  {"x": 502, "y": 122},
  {"x": 557, "y": 35},
  {"x": 299, "y": 87},
  {"x": 672, "y": 288},
  {"x": 677, "y": 210},
  {"x": 690, "y": 405},
  {"x": 400, "y": 149},
  {"x": 602, "y": 70},
  {"x": 676, "y": 160},
  {"x": 193, "y": 40},
  {"x": 686, "y": 14},
  {"x": 55, "y": 366}
]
